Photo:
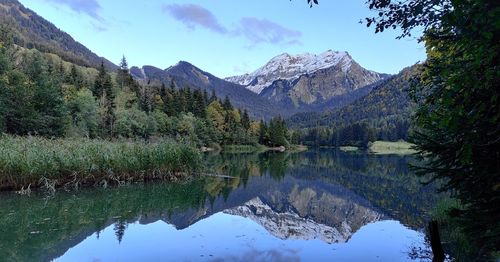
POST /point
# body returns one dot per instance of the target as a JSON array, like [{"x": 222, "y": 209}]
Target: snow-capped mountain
[
  {"x": 310, "y": 82},
  {"x": 290, "y": 67},
  {"x": 291, "y": 225}
]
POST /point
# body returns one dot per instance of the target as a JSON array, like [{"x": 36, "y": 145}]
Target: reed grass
[{"x": 37, "y": 161}]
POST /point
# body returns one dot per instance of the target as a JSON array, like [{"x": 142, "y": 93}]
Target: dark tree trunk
[{"x": 437, "y": 248}]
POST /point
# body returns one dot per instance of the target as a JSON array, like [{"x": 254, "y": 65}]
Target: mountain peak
[{"x": 290, "y": 67}]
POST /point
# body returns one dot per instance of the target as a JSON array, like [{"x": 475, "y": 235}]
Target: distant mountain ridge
[
  {"x": 387, "y": 104},
  {"x": 310, "y": 82},
  {"x": 307, "y": 84},
  {"x": 33, "y": 31},
  {"x": 184, "y": 74},
  {"x": 290, "y": 67}
]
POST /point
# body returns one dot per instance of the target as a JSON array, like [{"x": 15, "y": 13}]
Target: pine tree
[
  {"x": 278, "y": 134},
  {"x": 75, "y": 77},
  {"x": 199, "y": 106},
  {"x": 47, "y": 100},
  {"x": 98, "y": 89},
  {"x": 245, "y": 120},
  {"x": 263, "y": 133},
  {"x": 227, "y": 104},
  {"x": 205, "y": 97},
  {"x": 163, "y": 90},
  {"x": 213, "y": 97},
  {"x": 109, "y": 104},
  {"x": 103, "y": 90},
  {"x": 123, "y": 77}
]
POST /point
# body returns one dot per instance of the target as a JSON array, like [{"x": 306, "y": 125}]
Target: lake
[{"x": 318, "y": 205}]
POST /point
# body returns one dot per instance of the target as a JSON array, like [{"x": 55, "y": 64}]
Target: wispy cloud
[
  {"x": 88, "y": 7},
  {"x": 195, "y": 15},
  {"x": 255, "y": 30},
  {"x": 242, "y": 68},
  {"x": 265, "y": 31}
]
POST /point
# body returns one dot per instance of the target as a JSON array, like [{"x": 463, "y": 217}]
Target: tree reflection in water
[{"x": 324, "y": 194}]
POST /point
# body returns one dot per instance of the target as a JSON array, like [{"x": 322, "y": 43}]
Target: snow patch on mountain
[{"x": 290, "y": 67}]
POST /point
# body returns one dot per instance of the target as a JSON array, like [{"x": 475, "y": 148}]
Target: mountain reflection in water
[{"x": 315, "y": 205}]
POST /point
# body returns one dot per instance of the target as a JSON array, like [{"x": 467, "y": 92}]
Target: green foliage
[
  {"x": 83, "y": 108},
  {"x": 32, "y": 100},
  {"x": 31, "y": 31},
  {"x": 276, "y": 134},
  {"x": 383, "y": 114},
  {"x": 25, "y": 160},
  {"x": 457, "y": 121},
  {"x": 131, "y": 123}
]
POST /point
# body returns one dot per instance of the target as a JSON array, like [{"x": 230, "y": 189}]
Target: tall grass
[
  {"x": 240, "y": 149},
  {"x": 35, "y": 160}
]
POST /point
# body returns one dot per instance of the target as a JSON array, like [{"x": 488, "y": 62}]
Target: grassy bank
[
  {"x": 349, "y": 148},
  {"x": 297, "y": 148},
  {"x": 396, "y": 148},
  {"x": 240, "y": 149},
  {"x": 51, "y": 163}
]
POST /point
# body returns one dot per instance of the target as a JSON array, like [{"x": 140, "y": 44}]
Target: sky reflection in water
[{"x": 322, "y": 205}]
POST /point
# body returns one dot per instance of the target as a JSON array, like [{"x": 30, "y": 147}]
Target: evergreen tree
[
  {"x": 213, "y": 97},
  {"x": 205, "y": 97},
  {"x": 75, "y": 77},
  {"x": 47, "y": 100},
  {"x": 245, "y": 120},
  {"x": 199, "y": 106},
  {"x": 263, "y": 133},
  {"x": 123, "y": 77},
  {"x": 278, "y": 132},
  {"x": 103, "y": 90},
  {"x": 163, "y": 90},
  {"x": 98, "y": 89},
  {"x": 109, "y": 104},
  {"x": 457, "y": 122},
  {"x": 227, "y": 104},
  {"x": 168, "y": 103}
]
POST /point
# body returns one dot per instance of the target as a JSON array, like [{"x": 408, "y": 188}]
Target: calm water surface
[{"x": 321, "y": 205}]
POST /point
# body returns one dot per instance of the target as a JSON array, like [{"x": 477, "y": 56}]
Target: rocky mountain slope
[
  {"x": 387, "y": 102},
  {"x": 310, "y": 82},
  {"x": 290, "y": 67},
  {"x": 289, "y": 225},
  {"x": 184, "y": 74},
  {"x": 33, "y": 31},
  {"x": 307, "y": 223}
]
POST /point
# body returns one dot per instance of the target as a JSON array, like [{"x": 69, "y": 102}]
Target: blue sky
[{"x": 226, "y": 37}]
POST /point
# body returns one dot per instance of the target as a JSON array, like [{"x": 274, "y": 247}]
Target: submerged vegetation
[{"x": 40, "y": 162}]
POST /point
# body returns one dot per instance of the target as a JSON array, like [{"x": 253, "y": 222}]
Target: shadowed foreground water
[{"x": 321, "y": 205}]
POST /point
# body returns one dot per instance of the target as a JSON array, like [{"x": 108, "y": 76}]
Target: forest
[
  {"x": 45, "y": 96},
  {"x": 64, "y": 123},
  {"x": 383, "y": 114}
]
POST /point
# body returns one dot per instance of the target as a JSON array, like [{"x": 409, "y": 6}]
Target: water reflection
[{"x": 282, "y": 206}]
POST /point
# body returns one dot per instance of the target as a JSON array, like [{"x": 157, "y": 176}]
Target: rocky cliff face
[
  {"x": 289, "y": 225},
  {"x": 307, "y": 82},
  {"x": 291, "y": 67},
  {"x": 308, "y": 215}
]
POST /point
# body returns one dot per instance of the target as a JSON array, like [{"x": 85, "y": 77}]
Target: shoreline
[{"x": 34, "y": 162}]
